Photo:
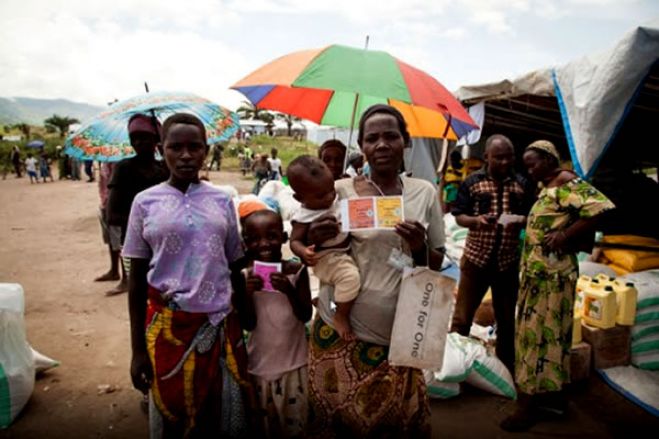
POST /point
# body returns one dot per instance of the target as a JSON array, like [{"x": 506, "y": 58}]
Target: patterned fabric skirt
[
  {"x": 200, "y": 384},
  {"x": 283, "y": 404},
  {"x": 354, "y": 392},
  {"x": 543, "y": 331}
]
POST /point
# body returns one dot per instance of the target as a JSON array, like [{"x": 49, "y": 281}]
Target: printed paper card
[
  {"x": 389, "y": 211},
  {"x": 369, "y": 213},
  {"x": 264, "y": 270}
]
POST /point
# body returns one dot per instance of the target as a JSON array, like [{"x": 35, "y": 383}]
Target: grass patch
[{"x": 287, "y": 148}]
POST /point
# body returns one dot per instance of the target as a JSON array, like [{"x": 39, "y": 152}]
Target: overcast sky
[{"x": 95, "y": 51}]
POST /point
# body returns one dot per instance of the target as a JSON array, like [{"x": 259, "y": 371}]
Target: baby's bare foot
[{"x": 342, "y": 326}]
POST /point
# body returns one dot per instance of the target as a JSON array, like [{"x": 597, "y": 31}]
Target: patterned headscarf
[
  {"x": 144, "y": 123},
  {"x": 247, "y": 207},
  {"x": 545, "y": 146}
]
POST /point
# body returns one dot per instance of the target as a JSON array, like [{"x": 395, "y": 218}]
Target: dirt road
[{"x": 50, "y": 243}]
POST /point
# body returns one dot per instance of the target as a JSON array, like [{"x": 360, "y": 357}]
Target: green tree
[
  {"x": 61, "y": 123},
  {"x": 267, "y": 117},
  {"x": 290, "y": 120},
  {"x": 24, "y": 128},
  {"x": 248, "y": 111}
]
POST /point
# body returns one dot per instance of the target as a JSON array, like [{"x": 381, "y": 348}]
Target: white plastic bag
[
  {"x": 488, "y": 373},
  {"x": 437, "y": 389},
  {"x": 16, "y": 360},
  {"x": 42, "y": 363},
  {"x": 467, "y": 359},
  {"x": 422, "y": 317},
  {"x": 457, "y": 364}
]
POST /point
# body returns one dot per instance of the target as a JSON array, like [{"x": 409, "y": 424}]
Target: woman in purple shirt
[{"x": 182, "y": 238}]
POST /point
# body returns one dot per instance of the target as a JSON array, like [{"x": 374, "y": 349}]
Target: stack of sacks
[
  {"x": 645, "y": 332},
  {"x": 456, "y": 237},
  {"x": 629, "y": 261},
  {"x": 467, "y": 359},
  {"x": 16, "y": 357}
]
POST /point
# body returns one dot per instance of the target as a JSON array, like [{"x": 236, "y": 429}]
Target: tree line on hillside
[{"x": 52, "y": 124}]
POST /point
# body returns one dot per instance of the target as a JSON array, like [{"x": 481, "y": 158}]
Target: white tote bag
[{"x": 422, "y": 319}]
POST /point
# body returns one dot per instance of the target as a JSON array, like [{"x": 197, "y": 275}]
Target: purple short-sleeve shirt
[{"x": 189, "y": 238}]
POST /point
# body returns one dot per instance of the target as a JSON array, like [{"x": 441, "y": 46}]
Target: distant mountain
[{"x": 34, "y": 111}]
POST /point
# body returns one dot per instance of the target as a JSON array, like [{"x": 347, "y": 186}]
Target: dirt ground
[{"x": 50, "y": 243}]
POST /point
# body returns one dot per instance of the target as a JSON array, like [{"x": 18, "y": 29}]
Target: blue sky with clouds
[{"x": 94, "y": 51}]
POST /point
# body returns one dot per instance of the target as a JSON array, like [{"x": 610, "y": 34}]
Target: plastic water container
[
  {"x": 604, "y": 279},
  {"x": 582, "y": 283},
  {"x": 576, "y": 330},
  {"x": 626, "y": 298},
  {"x": 599, "y": 305}
]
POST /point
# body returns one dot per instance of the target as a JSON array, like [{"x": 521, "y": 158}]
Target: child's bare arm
[
  {"x": 299, "y": 245},
  {"x": 299, "y": 295}
]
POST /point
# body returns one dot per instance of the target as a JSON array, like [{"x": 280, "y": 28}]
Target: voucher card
[
  {"x": 264, "y": 270},
  {"x": 368, "y": 213}
]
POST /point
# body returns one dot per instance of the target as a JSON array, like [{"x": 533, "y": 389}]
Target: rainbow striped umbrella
[
  {"x": 335, "y": 84},
  {"x": 105, "y": 137}
]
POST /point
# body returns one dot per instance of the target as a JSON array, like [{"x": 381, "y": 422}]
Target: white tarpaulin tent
[
  {"x": 595, "y": 94},
  {"x": 582, "y": 104}
]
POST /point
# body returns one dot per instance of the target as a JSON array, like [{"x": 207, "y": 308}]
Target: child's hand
[
  {"x": 253, "y": 283},
  {"x": 281, "y": 283},
  {"x": 309, "y": 256}
]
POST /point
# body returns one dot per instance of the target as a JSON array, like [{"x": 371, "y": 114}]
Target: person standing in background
[
  {"x": 491, "y": 255},
  {"x": 111, "y": 234},
  {"x": 216, "y": 154},
  {"x": 44, "y": 166},
  {"x": 89, "y": 170},
  {"x": 333, "y": 153},
  {"x": 31, "y": 168},
  {"x": 355, "y": 164},
  {"x": 75, "y": 168},
  {"x": 275, "y": 165},
  {"x": 62, "y": 163},
  {"x": 16, "y": 160},
  {"x": 133, "y": 175}
]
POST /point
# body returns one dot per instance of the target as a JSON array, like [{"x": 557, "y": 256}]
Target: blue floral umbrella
[{"x": 105, "y": 137}]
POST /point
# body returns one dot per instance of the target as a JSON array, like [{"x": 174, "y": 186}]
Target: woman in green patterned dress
[{"x": 558, "y": 225}]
